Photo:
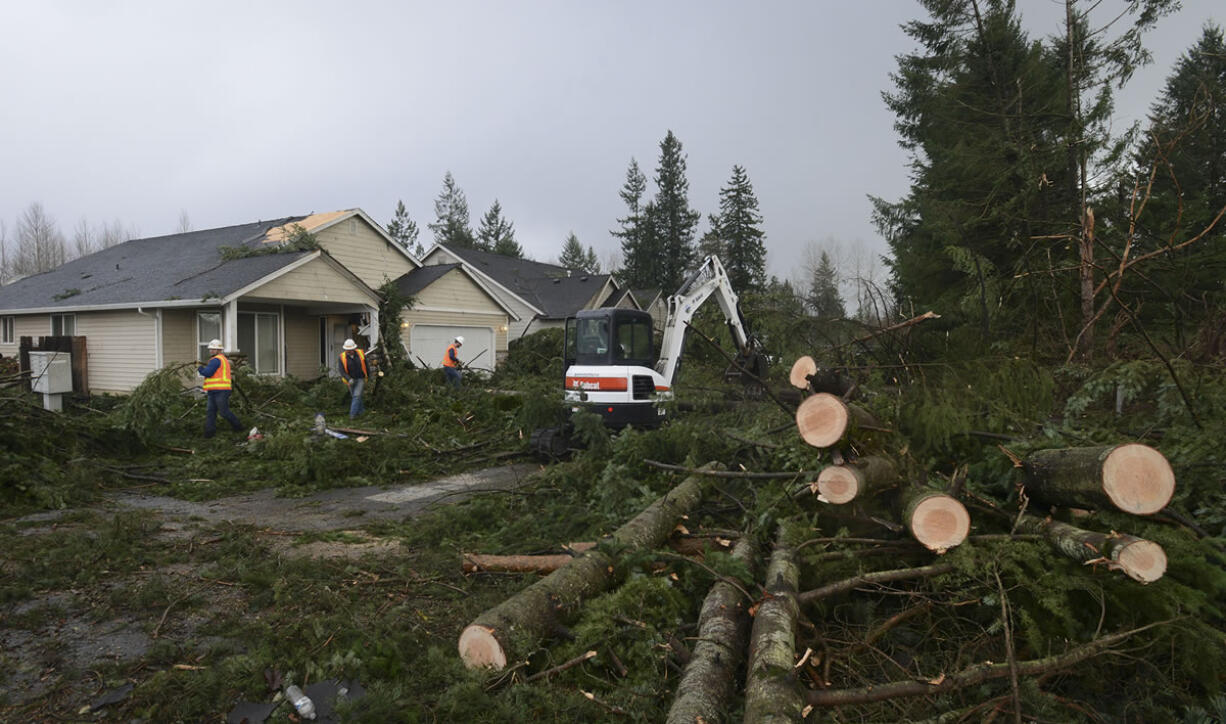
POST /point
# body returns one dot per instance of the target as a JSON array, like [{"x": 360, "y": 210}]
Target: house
[
  {"x": 285, "y": 306},
  {"x": 448, "y": 300},
  {"x": 540, "y": 295},
  {"x": 654, "y": 303}
]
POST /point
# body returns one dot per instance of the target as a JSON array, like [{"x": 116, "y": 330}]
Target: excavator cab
[{"x": 607, "y": 337}]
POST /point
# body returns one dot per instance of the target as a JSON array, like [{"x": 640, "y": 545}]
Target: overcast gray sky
[{"x": 238, "y": 111}]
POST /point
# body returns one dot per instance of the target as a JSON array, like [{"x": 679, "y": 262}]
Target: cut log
[
  {"x": 505, "y": 632},
  {"x": 771, "y": 692},
  {"x": 1141, "y": 560},
  {"x": 824, "y": 420},
  {"x": 802, "y": 369},
  {"x": 935, "y": 519},
  {"x": 1132, "y": 477},
  {"x": 840, "y": 484},
  {"x": 709, "y": 680}
]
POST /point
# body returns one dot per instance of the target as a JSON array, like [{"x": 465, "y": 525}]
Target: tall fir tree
[
  {"x": 574, "y": 257},
  {"x": 711, "y": 243},
  {"x": 404, "y": 230},
  {"x": 451, "y": 224},
  {"x": 672, "y": 222},
  {"x": 496, "y": 234},
  {"x": 738, "y": 228},
  {"x": 824, "y": 297},
  {"x": 637, "y": 264}
]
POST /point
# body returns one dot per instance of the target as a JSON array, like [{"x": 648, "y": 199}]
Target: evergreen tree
[
  {"x": 672, "y": 221},
  {"x": 711, "y": 244},
  {"x": 824, "y": 297},
  {"x": 404, "y": 230},
  {"x": 496, "y": 234},
  {"x": 737, "y": 228},
  {"x": 1185, "y": 155},
  {"x": 451, "y": 224},
  {"x": 638, "y": 263},
  {"x": 574, "y": 257}
]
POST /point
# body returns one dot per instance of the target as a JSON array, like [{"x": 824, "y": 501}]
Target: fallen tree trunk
[
  {"x": 935, "y": 519},
  {"x": 969, "y": 676},
  {"x": 840, "y": 484},
  {"x": 1141, "y": 560},
  {"x": 824, "y": 420},
  {"x": 504, "y": 632},
  {"x": 806, "y": 375},
  {"x": 1132, "y": 477},
  {"x": 771, "y": 692},
  {"x": 710, "y": 676}
]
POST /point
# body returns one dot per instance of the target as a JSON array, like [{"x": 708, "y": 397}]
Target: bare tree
[
  {"x": 114, "y": 233},
  {"x": 5, "y": 272},
  {"x": 40, "y": 245},
  {"x": 185, "y": 223},
  {"x": 84, "y": 240}
]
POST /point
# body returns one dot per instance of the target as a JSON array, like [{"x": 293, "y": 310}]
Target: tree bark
[
  {"x": 935, "y": 519},
  {"x": 806, "y": 375},
  {"x": 1141, "y": 560},
  {"x": 723, "y": 626},
  {"x": 1132, "y": 477},
  {"x": 771, "y": 692},
  {"x": 824, "y": 420},
  {"x": 504, "y": 632},
  {"x": 840, "y": 484}
]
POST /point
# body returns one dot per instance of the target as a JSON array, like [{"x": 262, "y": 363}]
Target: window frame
[
  {"x": 62, "y": 317},
  {"x": 8, "y": 328},
  {"x": 254, "y": 356}
]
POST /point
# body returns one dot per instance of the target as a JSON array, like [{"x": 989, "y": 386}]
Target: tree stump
[
  {"x": 824, "y": 420},
  {"x": 518, "y": 623},
  {"x": 1132, "y": 477},
  {"x": 935, "y": 519},
  {"x": 840, "y": 484}
]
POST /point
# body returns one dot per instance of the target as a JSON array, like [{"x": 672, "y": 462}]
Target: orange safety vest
[
  {"x": 221, "y": 378},
  {"x": 345, "y": 363},
  {"x": 447, "y": 361}
]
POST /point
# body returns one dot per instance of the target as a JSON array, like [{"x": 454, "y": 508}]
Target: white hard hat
[
  {"x": 460, "y": 339},
  {"x": 216, "y": 344},
  {"x": 349, "y": 344}
]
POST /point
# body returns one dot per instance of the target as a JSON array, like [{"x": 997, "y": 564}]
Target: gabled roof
[
  {"x": 415, "y": 281},
  {"x": 553, "y": 291},
  {"x": 646, "y": 297},
  {"x": 168, "y": 270}
]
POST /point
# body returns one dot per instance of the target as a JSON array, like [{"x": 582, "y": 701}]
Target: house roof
[
  {"x": 554, "y": 290},
  {"x": 646, "y": 297},
  {"x": 179, "y": 267},
  {"x": 422, "y": 277}
]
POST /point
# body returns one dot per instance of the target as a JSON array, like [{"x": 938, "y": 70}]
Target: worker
[
  {"x": 218, "y": 377},
  {"x": 451, "y": 362},
  {"x": 354, "y": 372}
]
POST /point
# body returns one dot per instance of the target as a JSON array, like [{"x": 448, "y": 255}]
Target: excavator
[{"x": 612, "y": 369}]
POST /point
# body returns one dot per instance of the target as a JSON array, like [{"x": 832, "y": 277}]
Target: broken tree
[
  {"x": 511, "y": 628},
  {"x": 1132, "y": 477}
]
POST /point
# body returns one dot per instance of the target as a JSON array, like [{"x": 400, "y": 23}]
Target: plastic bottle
[
  {"x": 302, "y": 703},
  {"x": 319, "y": 423}
]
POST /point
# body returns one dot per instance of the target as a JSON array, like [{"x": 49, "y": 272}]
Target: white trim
[
  {"x": 473, "y": 270},
  {"x": 449, "y": 310}
]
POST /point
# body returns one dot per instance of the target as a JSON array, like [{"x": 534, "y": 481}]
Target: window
[
  {"x": 208, "y": 328},
  {"x": 6, "y": 330},
  {"x": 633, "y": 338},
  {"x": 63, "y": 325},
  {"x": 258, "y": 339}
]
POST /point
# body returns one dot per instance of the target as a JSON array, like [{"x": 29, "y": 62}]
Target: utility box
[{"x": 51, "y": 374}]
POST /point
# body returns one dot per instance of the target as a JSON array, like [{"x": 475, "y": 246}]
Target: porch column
[{"x": 230, "y": 326}]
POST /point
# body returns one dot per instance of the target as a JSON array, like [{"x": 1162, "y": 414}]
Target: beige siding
[
  {"x": 316, "y": 281},
  {"x": 364, "y": 251},
  {"x": 26, "y": 325},
  {"x": 178, "y": 336},
  {"x": 454, "y": 291},
  {"x": 458, "y": 319},
  {"x": 301, "y": 344},
  {"x": 121, "y": 348}
]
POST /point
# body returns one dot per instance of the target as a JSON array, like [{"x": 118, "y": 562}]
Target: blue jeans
[
  {"x": 219, "y": 403},
  {"x": 356, "y": 388},
  {"x": 453, "y": 376}
]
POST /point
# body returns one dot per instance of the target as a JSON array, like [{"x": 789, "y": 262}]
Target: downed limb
[
  {"x": 710, "y": 676},
  {"x": 865, "y": 579},
  {"x": 771, "y": 692},
  {"x": 1141, "y": 560},
  {"x": 504, "y": 632},
  {"x": 725, "y": 473},
  {"x": 1132, "y": 477},
  {"x": 969, "y": 676}
]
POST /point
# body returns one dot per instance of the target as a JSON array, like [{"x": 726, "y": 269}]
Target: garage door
[{"x": 430, "y": 341}]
